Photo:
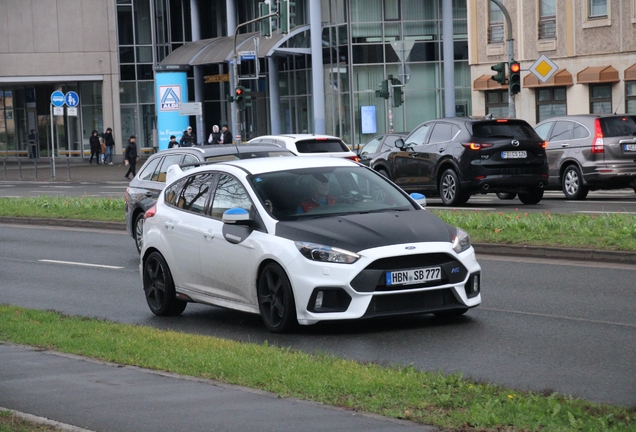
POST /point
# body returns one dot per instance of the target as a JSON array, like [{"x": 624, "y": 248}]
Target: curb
[{"x": 595, "y": 255}]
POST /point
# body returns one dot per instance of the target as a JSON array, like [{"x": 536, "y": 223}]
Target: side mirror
[
  {"x": 236, "y": 216},
  {"x": 399, "y": 143},
  {"x": 419, "y": 198}
]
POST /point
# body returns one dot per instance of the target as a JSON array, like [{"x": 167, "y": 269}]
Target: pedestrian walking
[
  {"x": 226, "y": 135},
  {"x": 102, "y": 150},
  {"x": 110, "y": 146},
  {"x": 95, "y": 147},
  {"x": 215, "y": 136},
  {"x": 188, "y": 139},
  {"x": 131, "y": 157}
]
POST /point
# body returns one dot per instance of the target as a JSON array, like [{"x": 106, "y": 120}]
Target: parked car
[
  {"x": 144, "y": 188},
  {"x": 459, "y": 157},
  {"x": 309, "y": 145},
  {"x": 374, "y": 153},
  {"x": 252, "y": 235},
  {"x": 590, "y": 152}
]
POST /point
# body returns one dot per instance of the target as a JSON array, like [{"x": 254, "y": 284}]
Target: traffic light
[
  {"x": 247, "y": 97},
  {"x": 384, "y": 89},
  {"x": 514, "y": 78},
  {"x": 397, "y": 92},
  {"x": 500, "y": 76},
  {"x": 287, "y": 15},
  {"x": 239, "y": 92},
  {"x": 266, "y": 24}
]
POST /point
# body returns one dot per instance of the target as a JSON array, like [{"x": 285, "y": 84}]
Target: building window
[
  {"x": 497, "y": 103},
  {"x": 630, "y": 97},
  {"x": 597, "y": 9},
  {"x": 495, "y": 24},
  {"x": 547, "y": 19},
  {"x": 551, "y": 102},
  {"x": 600, "y": 98}
]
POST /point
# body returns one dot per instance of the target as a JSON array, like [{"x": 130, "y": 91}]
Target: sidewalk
[
  {"x": 67, "y": 170},
  {"x": 106, "y": 397}
]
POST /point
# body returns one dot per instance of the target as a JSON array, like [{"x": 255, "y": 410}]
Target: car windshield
[
  {"x": 320, "y": 145},
  {"x": 327, "y": 191},
  {"x": 503, "y": 129}
]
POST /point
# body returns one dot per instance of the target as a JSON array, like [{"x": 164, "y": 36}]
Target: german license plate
[
  {"x": 518, "y": 154},
  {"x": 406, "y": 277},
  {"x": 629, "y": 147}
]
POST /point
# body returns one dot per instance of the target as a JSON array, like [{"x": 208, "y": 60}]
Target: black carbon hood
[{"x": 364, "y": 231}]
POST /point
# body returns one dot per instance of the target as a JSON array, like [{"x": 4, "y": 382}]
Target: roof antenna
[{"x": 619, "y": 102}]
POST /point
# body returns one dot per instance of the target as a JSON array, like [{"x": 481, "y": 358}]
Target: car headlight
[
  {"x": 461, "y": 241},
  {"x": 318, "y": 252}
]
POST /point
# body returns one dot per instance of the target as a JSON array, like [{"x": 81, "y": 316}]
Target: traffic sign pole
[{"x": 52, "y": 145}]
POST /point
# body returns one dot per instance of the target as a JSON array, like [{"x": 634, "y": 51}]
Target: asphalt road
[{"x": 559, "y": 326}]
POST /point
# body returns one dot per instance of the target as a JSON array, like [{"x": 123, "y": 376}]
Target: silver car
[{"x": 590, "y": 152}]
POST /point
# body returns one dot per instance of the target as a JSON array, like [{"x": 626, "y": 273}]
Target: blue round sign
[
  {"x": 57, "y": 98},
  {"x": 72, "y": 99}
]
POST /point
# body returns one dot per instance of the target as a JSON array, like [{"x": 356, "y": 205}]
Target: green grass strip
[
  {"x": 447, "y": 401},
  {"x": 82, "y": 208}
]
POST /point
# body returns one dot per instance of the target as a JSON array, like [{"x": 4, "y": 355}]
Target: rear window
[
  {"x": 508, "y": 129},
  {"x": 321, "y": 146},
  {"x": 618, "y": 126}
]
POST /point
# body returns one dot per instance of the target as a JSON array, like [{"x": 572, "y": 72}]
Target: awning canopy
[
  {"x": 485, "y": 82},
  {"x": 221, "y": 49},
  {"x": 630, "y": 73},
  {"x": 560, "y": 78},
  {"x": 597, "y": 74}
]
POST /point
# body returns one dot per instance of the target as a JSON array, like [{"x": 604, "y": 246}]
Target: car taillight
[
  {"x": 476, "y": 146},
  {"x": 598, "y": 145},
  {"x": 353, "y": 158},
  {"x": 543, "y": 144},
  {"x": 150, "y": 212}
]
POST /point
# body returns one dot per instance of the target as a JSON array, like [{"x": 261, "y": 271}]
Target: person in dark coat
[
  {"x": 215, "y": 136},
  {"x": 188, "y": 139},
  {"x": 96, "y": 147},
  {"x": 226, "y": 135},
  {"x": 110, "y": 146},
  {"x": 131, "y": 157}
]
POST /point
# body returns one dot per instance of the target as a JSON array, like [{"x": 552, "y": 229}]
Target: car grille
[
  {"x": 415, "y": 302},
  {"x": 373, "y": 277}
]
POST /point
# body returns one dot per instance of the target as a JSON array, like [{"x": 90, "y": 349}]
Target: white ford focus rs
[{"x": 299, "y": 241}]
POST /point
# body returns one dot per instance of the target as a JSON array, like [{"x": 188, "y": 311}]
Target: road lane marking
[
  {"x": 81, "y": 264},
  {"x": 555, "y": 261},
  {"x": 558, "y": 317}
]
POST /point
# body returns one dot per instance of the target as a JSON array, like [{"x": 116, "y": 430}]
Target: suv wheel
[
  {"x": 572, "y": 183},
  {"x": 531, "y": 197},
  {"x": 506, "y": 195},
  {"x": 450, "y": 191}
]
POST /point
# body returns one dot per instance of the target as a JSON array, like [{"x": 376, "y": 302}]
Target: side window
[
  {"x": 441, "y": 133},
  {"x": 149, "y": 169},
  {"x": 160, "y": 175},
  {"x": 562, "y": 131},
  {"x": 229, "y": 193},
  {"x": 371, "y": 146},
  {"x": 192, "y": 193},
  {"x": 189, "y": 159},
  {"x": 544, "y": 130},
  {"x": 580, "y": 131},
  {"x": 418, "y": 137},
  {"x": 172, "y": 192}
]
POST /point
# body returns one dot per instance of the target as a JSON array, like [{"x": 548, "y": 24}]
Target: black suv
[
  {"x": 144, "y": 188},
  {"x": 459, "y": 157}
]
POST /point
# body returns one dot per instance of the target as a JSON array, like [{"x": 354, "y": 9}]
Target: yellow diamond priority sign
[{"x": 543, "y": 68}]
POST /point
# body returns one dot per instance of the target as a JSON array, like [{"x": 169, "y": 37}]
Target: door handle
[
  {"x": 209, "y": 235},
  {"x": 442, "y": 150},
  {"x": 169, "y": 224},
  {"x": 565, "y": 145}
]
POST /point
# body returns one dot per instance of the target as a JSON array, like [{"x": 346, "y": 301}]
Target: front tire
[
  {"x": 159, "y": 287},
  {"x": 276, "y": 300},
  {"x": 450, "y": 190},
  {"x": 572, "y": 184},
  {"x": 531, "y": 197},
  {"x": 138, "y": 231}
]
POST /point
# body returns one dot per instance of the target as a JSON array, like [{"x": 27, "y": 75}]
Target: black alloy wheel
[
  {"x": 531, "y": 197},
  {"x": 138, "y": 230},
  {"x": 572, "y": 183},
  {"x": 450, "y": 190},
  {"x": 159, "y": 287},
  {"x": 276, "y": 300}
]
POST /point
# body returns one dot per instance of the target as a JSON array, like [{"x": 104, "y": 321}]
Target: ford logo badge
[{"x": 515, "y": 143}]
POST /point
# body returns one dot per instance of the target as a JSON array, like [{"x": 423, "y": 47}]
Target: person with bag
[
  {"x": 131, "y": 157},
  {"x": 110, "y": 146}
]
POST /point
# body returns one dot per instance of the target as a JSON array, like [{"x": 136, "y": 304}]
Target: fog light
[
  {"x": 476, "y": 283},
  {"x": 318, "y": 303},
  {"x": 472, "y": 286}
]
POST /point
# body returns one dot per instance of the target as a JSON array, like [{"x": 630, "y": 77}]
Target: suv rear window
[
  {"x": 507, "y": 129},
  {"x": 618, "y": 126},
  {"x": 320, "y": 146}
]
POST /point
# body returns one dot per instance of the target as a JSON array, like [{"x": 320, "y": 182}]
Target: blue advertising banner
[{"x": 171, "y": 92}]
